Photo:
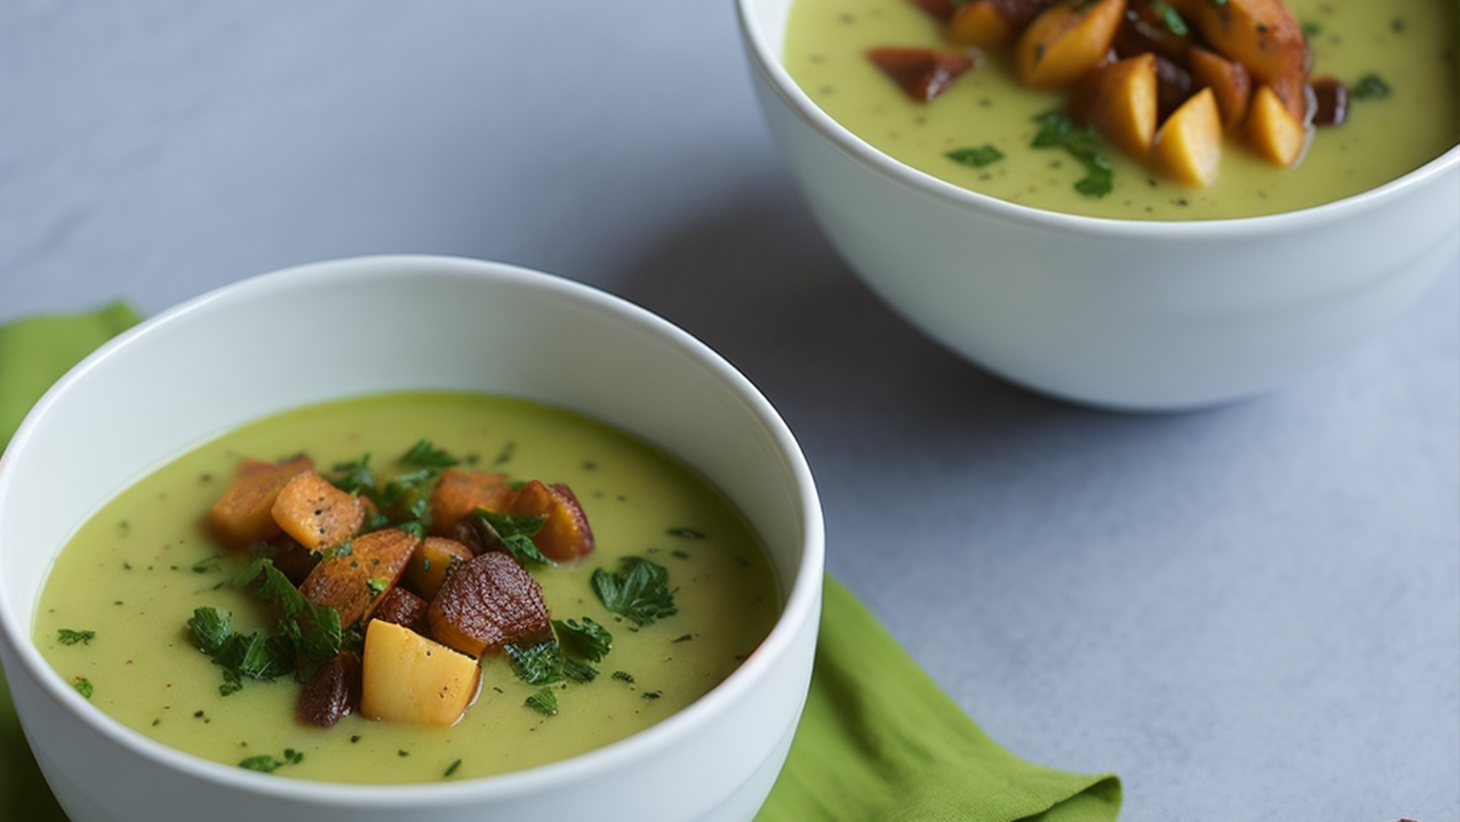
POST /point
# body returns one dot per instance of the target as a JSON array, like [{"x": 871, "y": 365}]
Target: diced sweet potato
[
  {"x": 1120, "y": 100},
  {"x": 317, "y": 514},
  {"x": 1263, "y": 36},
  {"x": 922, "y": 73},
  {"x": 409, "y": 678},
  {"x": 1227, "y": 79},
  {"x": 332, "y": 692},
  {"x": 243, "y": 515},
  {"x": 459, "y": 493},
  {"x": 980, "y": 23},
  {"x": 1188, "y": 145},
  {"x": 403, "y": 608},
  {"x": 1066, "y": 41},
  {"x": 488, "y": 603},
  {"x": 431, "y": 562},
  {"x": 1272, "y": 130},
  {"x": 565, "y": 535},
  {"x": 352, "y": 581}
]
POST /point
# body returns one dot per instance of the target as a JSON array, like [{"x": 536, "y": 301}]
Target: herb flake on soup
[
  {"x": 1199, "y": 118},
  {"x": 406, "y": 588}
]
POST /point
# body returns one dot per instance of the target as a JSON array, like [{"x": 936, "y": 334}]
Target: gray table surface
[{"x": 1249, "y": 613}]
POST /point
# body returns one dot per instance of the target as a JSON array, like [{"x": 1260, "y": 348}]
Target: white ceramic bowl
[
  {"x": 183, "y": 377},
  {"x": 1124, "y": 314}
]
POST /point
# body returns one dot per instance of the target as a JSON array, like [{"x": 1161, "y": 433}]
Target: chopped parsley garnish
[
  {"x": 66, "y": 636},
  {"x": 545, "y": 663},
  {"x": 639, "y": 591},
  {"x": 203, "y": 566},
  {"x": 505, "y": 455},
  {"x": 451, "y": 769},
  {"x": 653, "y": 694},
  {"x": 1083, "y": 143},
  {"x": 685, "y": 532},
  {"x": 1172, "y": 20},
  {"x": 976, "y": 157},
  {"x": 1370, "y": 87},
  {"x": 515, "y": 534},
  {"x": 83, "y": 686},
  {"x": 544, "y": 702},
  {"x": 588, "y": 639},
  {"x": 357, "y": 476},
  {"x": 624, "y": 676},
  {"x": 424, "y": 455},
  {"x": 267, "y": 764}
]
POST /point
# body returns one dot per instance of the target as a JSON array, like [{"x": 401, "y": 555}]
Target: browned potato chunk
[
  {"x": 431, "y": 562},
  {"x": 1263, "y": 36},
  {"x": 243, "y": 515},
  {"x": 409, "y": 678},
  {"x": 922, "y": 73},
  {"x": 459, "y": 493},
  {"x": 332, "y": 692},
  {"x": 317, "y": 514},
  {"x": 1188, "y": 146},
  {"x": 1272, "y": 130},
  {"x": 1228, "y": 80},
  {"x": 979, "y": 23},
  {"x": 1068, "y": 40},
  {"x": 488, "y": 603},
  {"x": 565, "y": 535},
  {"x": 352, "y": 581},
  {"x": 404, "y": 609},
  {"x": 1120, "y": 100}
]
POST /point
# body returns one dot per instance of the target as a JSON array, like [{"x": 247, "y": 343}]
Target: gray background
[{"x": 1251, "y": 612}]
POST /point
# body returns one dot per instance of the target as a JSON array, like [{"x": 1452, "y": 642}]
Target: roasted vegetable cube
[
  {"x": 431, "y": 562},
  {"x": 565, "y": 535},
  {"x": 1066, "y": 41},
  {"x": 243, "y": 515},
  {"x": 922, "y": 73},
  {"x": 1189, "y": 144},
  {"x": 459, "y": 493},
  {"x": 488, "y": 603},
  {"x": 332, "y": 692},
  {"x": 409, "y": 678},
  {"x": 353, "y": 578},
  {"x": 317, "y": 514}
]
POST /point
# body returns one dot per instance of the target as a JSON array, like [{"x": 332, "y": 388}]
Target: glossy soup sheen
[
  {"x": 1410, "y": 44},
  {"x": 129, "y": 576}
]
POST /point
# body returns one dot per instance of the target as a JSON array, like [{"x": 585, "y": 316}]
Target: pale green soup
[
  {"x": 1410, "y": 44},
  {"x": 134, "y": 573}
]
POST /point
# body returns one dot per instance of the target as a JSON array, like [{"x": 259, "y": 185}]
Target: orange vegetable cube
[
  {"x": 1273, "y": 131},
  {"x": 243, "y": 515},
  {"x": 1188, "y": 146},
  {"x": 1066, "y": 41},
  {"x": 315, "y": 513}
]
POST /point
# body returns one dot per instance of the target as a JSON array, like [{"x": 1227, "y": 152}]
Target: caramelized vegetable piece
[
  {"x": 1069, "y": 39},
  {"x": 1263, "y": 36},
  {"x": 403, "y": 608},
  {"x": 565, "y": 535},
  {"x": 317, "y": 514},
  {"x": 1331, "y": 101},
  {"x": 243, "y": 515},
  {"x": 461, "y": 492},
  {"x": 1272, "y": 130},
  {"x": 1121, "y": 101},
  {"x": 431, "y": 562},
  {"x": 1188, "y": 146},
  {"x": 352, "y": 581},
  {"x": 939, "y": 9},
  {"x": 488, "y": 603},
  {"x": 979, "y": 23},
  {"x": 409, "y": 678},
  {"x": 332, "y": 692},
  {"x": 1145, "y": 28},
  {"x": 922, "y": 73},
  {"x": 1227, "y": 80},
  {"x": 1173, "y": 87},
  {"x": 293, "y": 559}
]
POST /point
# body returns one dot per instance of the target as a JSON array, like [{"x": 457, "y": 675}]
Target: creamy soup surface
[
  {"x": 1410, "y": 44},
  {"x": 133, "y": 574}
]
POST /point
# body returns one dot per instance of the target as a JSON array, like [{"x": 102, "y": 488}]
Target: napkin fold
[{"x": 879, "y": 740}]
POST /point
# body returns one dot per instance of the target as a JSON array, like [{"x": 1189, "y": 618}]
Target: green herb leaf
[
  {"x": 544, "y": 702},
  {"x": 451, "y": 769},
  {"x": 212, "y": 628},
  {"x": 1081, "y": 142},
  {"x": 357, "y": 479},
  {"x": 588, "y": 639},
  {"x": 976, "y": 157},
  {"x": 66, "y": 636},
  {"x": 639, "y": 591},
  {"x": 1171, "y": 18},
  {"x": 83, "y": 686},
  {"x": 203, "y": 566},
  {"x": 545, "y": 663},
  {"x": 624, "y": 676},
  {"x": 1370, "y": 87},
  {"x": 424, "y": 455},
  {"x": 515, "y": 534},
  {"x": 685, "y": 532}
]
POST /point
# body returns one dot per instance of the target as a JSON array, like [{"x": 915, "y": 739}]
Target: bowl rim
[
  {"x": 767, "y": 62},
  {"x": 802, "y": 594}
]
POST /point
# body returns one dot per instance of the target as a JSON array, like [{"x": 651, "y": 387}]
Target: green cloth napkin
[{"x": 879, "y": 741}]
